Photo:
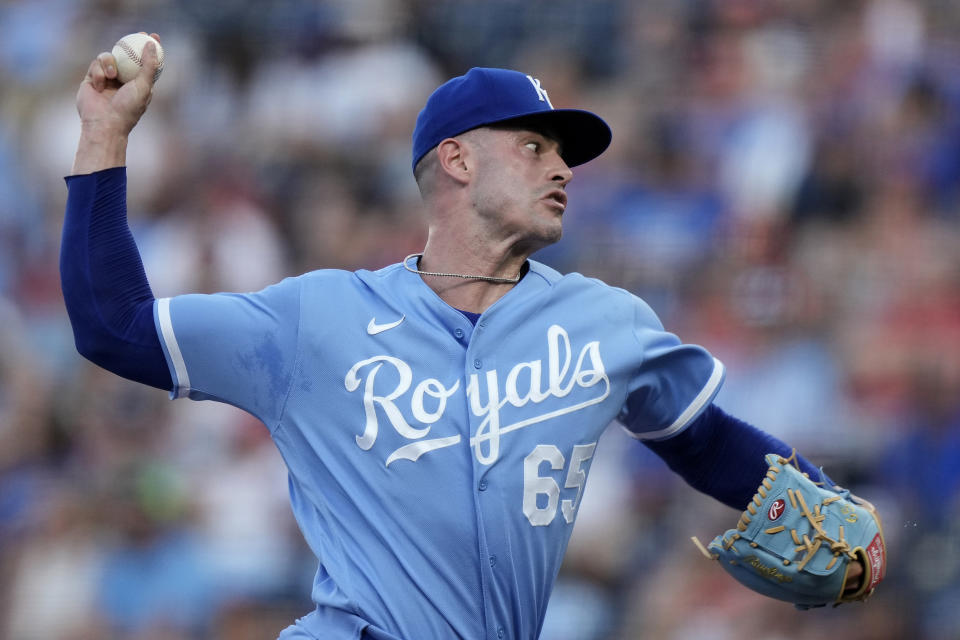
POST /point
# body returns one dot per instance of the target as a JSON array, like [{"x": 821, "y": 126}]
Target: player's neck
[
  {"x": 468, "y": 294},
  {"x": 465, "y": 295}
]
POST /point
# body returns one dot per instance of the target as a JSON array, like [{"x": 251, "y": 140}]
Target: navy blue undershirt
[
  {"x": 471, "y": 316},
  {"x": 110, "y": 305}
]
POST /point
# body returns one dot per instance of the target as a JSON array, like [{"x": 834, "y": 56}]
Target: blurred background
[{"x": 783, "y": 188}]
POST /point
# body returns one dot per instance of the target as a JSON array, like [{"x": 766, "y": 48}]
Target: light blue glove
[{"x": 797, "y": 538}]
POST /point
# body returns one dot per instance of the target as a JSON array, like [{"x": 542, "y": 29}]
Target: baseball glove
[{"x": 796, "y": 539}]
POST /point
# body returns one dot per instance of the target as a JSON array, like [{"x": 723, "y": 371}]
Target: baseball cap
[{"x": 486, "y": 96}]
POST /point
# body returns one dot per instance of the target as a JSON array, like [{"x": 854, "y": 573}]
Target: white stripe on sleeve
[{"x": 182, "y": 384}]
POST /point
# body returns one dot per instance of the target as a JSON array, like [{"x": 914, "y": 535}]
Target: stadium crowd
[{"x": 783, "y": 188}]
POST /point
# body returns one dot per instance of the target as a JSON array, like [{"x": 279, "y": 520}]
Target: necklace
[{"x": 513, "y": 280}]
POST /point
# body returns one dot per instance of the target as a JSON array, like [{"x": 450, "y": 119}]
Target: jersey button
[
  {"x": 493, "y": 561},
  {"x": 458, "y": 332},
  {"x": 477, "y": 364},
  {"x": 483, "y": 485},
  {"x": 499, "y": 632}
]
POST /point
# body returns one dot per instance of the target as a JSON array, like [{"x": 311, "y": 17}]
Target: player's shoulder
[
  {"x": 593, "y": 293},
  {"x": 575, "y": 281},
  {"x": 345, "y": 277},
  {"x": 384, "y": 273},
  {"x": 362, "y": 282},
  {"x": 325, "y": 276}
]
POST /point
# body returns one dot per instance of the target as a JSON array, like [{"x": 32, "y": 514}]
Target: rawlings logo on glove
[{"x": 796, "y": 540}]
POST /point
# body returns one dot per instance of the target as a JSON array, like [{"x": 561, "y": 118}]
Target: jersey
[{"x": 435, "y": 466}]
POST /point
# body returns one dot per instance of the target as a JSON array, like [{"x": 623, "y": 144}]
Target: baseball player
[{"x": 438, "y": 416}]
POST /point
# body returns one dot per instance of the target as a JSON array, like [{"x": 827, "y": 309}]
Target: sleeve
[
  {"x": 105, "y": 289},
  {"x": 674, "y": 383},
  {"x": 723, "y": 456},
  {"x": 235, "y": 348}
]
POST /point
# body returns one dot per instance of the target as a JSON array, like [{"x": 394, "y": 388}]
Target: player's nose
[{"x": 560, "y": 172}]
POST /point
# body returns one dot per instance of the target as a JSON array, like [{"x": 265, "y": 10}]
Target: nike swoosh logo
[{"x": 373, "y": 328}]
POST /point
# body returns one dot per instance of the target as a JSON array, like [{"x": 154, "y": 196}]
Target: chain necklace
[{"x": 406, "y": 266}]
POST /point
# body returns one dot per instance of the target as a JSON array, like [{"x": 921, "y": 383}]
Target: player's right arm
[
  {"x": 105, "y": 288},
  {"x": 236, "y": 348},
  {"x": 109, "y": 110}
]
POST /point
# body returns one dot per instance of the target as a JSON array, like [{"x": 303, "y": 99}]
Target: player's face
[{"x": 519, "y": 186}]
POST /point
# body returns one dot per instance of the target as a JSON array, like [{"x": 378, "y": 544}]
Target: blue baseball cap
[{"x": 485, "y": 96}]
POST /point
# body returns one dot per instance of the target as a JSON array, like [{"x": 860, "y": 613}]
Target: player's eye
[{"x": 533, "y": 146}]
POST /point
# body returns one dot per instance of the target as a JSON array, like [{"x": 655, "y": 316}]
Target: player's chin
[
  {"x": 549, "y": 233},
  {"x": 553, "y": 239}
]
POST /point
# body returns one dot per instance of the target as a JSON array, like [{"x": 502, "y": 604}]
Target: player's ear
[{"x": 453, "y": 158}]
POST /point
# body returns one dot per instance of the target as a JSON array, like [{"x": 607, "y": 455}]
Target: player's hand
[
  {"x": 855, "y": 572},
  {"x": 109, "y": 108}
]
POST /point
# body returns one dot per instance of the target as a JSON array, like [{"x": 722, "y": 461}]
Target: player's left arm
[
  {"x": 670, "y": 408},
  {"x": 725, "y": 457}
]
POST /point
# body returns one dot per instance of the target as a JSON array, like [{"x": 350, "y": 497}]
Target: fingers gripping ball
[
  {"x": 796, "y": 539},
  {"x": 129, "y": 55}
]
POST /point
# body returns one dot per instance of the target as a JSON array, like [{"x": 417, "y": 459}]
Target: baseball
[{"x": 129, "y": 51}]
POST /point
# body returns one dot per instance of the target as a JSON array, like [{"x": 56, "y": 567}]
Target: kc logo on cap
[
  {"x": 485, "y": 96},
  {"x": 540, "y": 90}
]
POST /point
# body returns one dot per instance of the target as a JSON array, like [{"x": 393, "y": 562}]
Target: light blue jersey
[{"x": 436, "y": 467}]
